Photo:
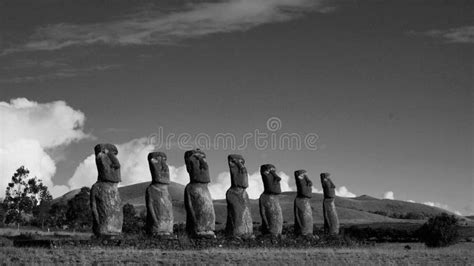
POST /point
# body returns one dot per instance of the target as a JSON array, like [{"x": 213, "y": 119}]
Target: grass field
[{"x": 383, "y": 254}]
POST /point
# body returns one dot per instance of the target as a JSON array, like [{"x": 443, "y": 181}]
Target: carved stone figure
[
  {"x": 239, "y": 219},
  {"x": 200, "y": 216},
  {"x": 107, "y": 216},
  {"x": 331, "y": 221},
  {"x": 269, "y": 202},
  {"x": 302, "y": 206},
  {"x": 159, "y": 218}
]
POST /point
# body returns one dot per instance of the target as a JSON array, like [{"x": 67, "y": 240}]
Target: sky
[{"x": 378, "y": 93}]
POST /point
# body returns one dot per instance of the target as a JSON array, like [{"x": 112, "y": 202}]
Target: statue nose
[
  {"x": 277, "y": 178},
  {"x": 202, "y": 164}
]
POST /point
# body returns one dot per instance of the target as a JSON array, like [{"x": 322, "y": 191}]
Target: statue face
[
  {"x": 197, "y": 167},
  {"x": 303, "y": 184},
  {"x": 324, "y": 176},
  {"x": 238, "y": 171},
  {"x": 108, "y": 166},
  {"x": 159, "y": 169},
  {"x": 328, "y": 186},
  {"x": 271, "y": 181}
]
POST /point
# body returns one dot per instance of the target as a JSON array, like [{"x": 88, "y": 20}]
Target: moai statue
[
  {"x": 159, "y": 218},
  {"x": 239, "y": 218},
  {"x": 105, "y": 199},
  {"x": 200, "y": 216},
  {"x": 331, "y": 221},
  {"x": 270, "y": 209},
  {"x": 302, "y": 206}
]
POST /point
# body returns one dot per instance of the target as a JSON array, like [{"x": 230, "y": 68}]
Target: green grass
[{"x": 459, "y": 254}]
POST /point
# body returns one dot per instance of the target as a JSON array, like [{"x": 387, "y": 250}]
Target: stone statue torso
[
  {"x": 160, "y": 218},
  {"x": 199, "y": 202},
  {"x": 239, "y": 218},
  {"x": 108, "y": 206}
]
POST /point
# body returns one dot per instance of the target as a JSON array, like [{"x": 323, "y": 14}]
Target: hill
[
  {"x": 133, "y": 194},
  {"x": 359, "y": 210}
]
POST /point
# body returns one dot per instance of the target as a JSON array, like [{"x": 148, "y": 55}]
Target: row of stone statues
[{"x": 200, "y": 215}]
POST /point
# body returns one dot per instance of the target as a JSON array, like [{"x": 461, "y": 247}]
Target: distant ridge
[
  {"x": 365, "y": 197},
  {"x": 133, "y": 194}
]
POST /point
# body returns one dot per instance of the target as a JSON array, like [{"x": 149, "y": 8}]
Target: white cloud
[
  {"x": 179, "y": 174},
  {"x": 441, "y": 206},
  {"x": 157, "y": 27},
  {"x": 344, "y": 192},
  {"x": 454, "y": 35},
  {"x": 58, "y": 72},
  {"x": 51, "y": 124},
  {"x": 29, "y": 129},
  {"x": 388, "y": 195},
  {"x": 436, "y": 204},
  {"x": 221, "y": 183},
  {"x": 134, "y": 166},
  {"x": 132, "y": 156},
  {"x": 134, "y": 169},
  {"x": 85, "y": 174},
  {"x": 133, "y": 160}
]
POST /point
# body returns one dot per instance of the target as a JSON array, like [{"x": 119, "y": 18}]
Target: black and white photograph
[{"x": 236, "y": 132}]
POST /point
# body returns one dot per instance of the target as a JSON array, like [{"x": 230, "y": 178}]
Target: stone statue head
[
  {"x": 329, "y": 189},
  {"x": 304, "y": 185},
  {"x": 271, "y": 181},
  {"x": 197, "y": 167},
  {"x": 108, "y": 165},
  {"x": 324, "y": 176},
  {"x": 160, "y": 173},
  {"x": 238, "y": 171}
]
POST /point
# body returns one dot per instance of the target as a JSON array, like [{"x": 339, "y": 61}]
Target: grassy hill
[{"x": 359, "y": 210}]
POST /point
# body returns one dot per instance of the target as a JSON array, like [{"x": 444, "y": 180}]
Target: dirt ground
[{"x": 459, "y": 254}]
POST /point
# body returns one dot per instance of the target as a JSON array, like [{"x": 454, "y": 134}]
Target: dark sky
[{"x": 386, "y": 85}]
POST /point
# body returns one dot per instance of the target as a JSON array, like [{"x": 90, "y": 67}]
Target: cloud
[
  {"x": 344, "y": 192},
  {"x": 59, "y": 72},
  {"x": 441, "y": 206},
  {"x": 132, "y": 156},
  {"x": 219, "y": 185},
  {"x": 134, "y": 166},
  {"x": 133, "y": 160},
  {"x": 388, "y": 195},
  {"x": 29, "y": 130},
  {"x": 154, "y": 26},
  {"x": 454, "y": 35},
  {"x": 134, "y": 169},
  {"x": 51, "y": 124},
  {"x": 31, "y": 63}
]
